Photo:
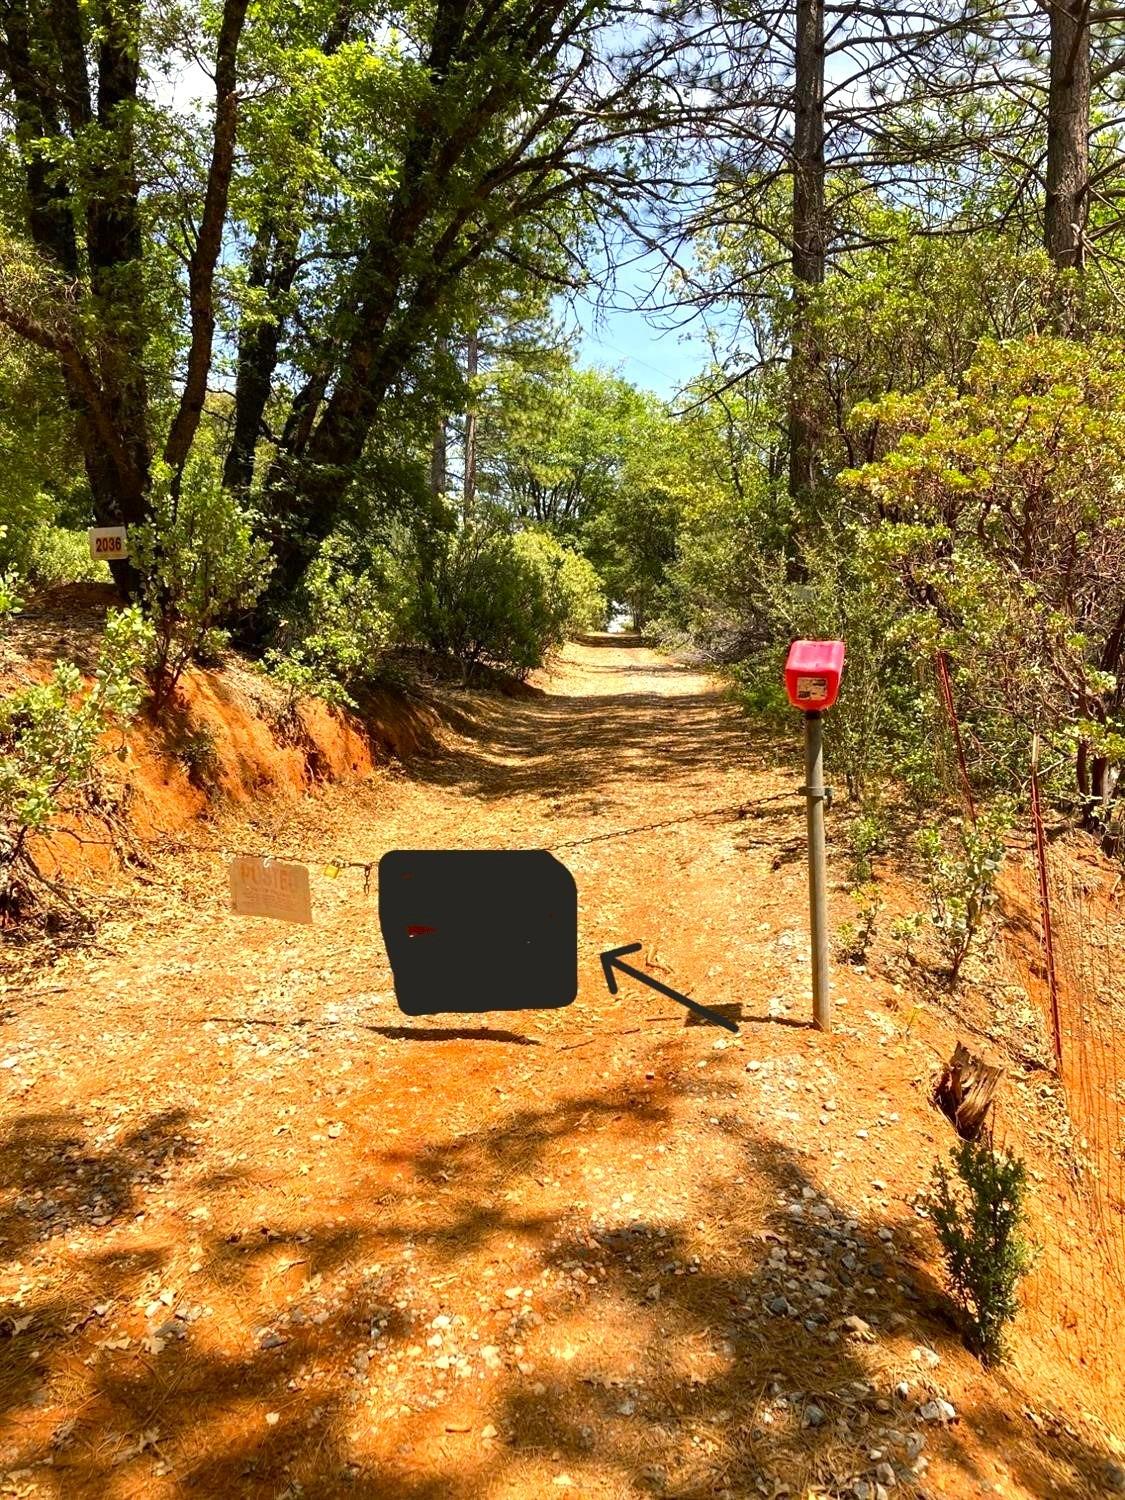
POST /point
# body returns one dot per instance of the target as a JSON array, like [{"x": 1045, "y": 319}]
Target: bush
[
  {"x": 853, "y": 939},
  {"x": 574, "y": 589},
  {"x": 867, "y": 837},
  {"x": 351, "y": 609},
  {"x": 46, "y": 554},
  {"x": 50, "y": 745},
  {"x": 11, "y": 585},
  {"x": 740, "y": 602},
  {"x": 483, "y": 602},
  {"x": 1003, "y": 519},
  {"x": 961, "y": 875},
  {"x": 199, "y": 564},
  {"x": 198, "y": 753},
  {"x": 58, "y": 554},
  {"x": 978, "y": 1221}
]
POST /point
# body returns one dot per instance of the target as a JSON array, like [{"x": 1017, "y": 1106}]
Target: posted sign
[
  {"x": 812, "y": 689},
  {"x": 108, "y": 543},
  {"x": 269, "y": 888}
]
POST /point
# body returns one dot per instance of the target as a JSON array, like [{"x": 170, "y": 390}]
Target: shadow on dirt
[
  {"x": 581, "y": 745},
  {"x": 762, "y": 1348}
]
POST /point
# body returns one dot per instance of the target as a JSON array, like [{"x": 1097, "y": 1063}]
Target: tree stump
[{"x": 965, "y": 1091}]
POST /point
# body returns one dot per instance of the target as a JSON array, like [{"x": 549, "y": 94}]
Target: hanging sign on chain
[{"x": 269, "y": 888}]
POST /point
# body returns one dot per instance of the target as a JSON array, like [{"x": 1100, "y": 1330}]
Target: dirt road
[{"x": 268, "y": 1237}]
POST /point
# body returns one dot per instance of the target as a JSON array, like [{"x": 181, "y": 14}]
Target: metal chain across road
[{"x": 174, "y": 843}]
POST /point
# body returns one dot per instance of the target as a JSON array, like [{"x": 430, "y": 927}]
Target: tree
[
  {"x": 810, "y": 233},
  {"x": 1067, "y": 184},
  {"x": 554, "y": 440},
  {"x": 430, "y": 162},
  {"x": 515, "y": 127},
  {"x": 632, "y": 539},
  {"x": 842, "y": 103},
  {"x": 1000, "y": 511},
  {"x": 78, "y": 277}
]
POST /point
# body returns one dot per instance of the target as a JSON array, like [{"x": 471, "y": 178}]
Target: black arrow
[{"x": 612, "y": 960}]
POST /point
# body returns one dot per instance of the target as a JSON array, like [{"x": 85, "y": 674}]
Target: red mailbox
[{"x": 812, "y": 674}]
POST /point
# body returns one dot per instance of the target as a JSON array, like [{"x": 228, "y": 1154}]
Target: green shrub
[
  {"x": 47, "y": 554},
  {"x": 199, "y": 563},
  {"x": 867, "y": 837},
  {"x": 11, "y": 585},
  {"x": 58, "y": 554},
  {"x": 978, "y": 1220},
  {"x": 50, "y": 745},
  {"x": 351, "y": 609},
  {"x": 853, "y": 939},
  {"x": 483, "y": 603},
  {"x": 1002, "y": 518},
  {"x": 11, "y": 593},
  {"x": 740, "y": 602},
  {"x": 198, "y": 753},
  {"x": 571, "y": 580},
  {"x": 905, "y": 930},
  {"x": 961, "y": 876}
]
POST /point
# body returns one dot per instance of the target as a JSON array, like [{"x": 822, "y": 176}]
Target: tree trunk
[
  {"x": 438, "y": 460},
  {"x": 472, "y": 357},
  {"x": 316, "y": 462},
  {"x": 208, "y": 242},
  {"x": 809, "y": 244},
  {"x": 273, "y": 269},
  {"x": 1068, "y": 133}
]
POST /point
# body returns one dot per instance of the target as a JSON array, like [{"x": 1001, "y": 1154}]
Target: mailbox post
[{"x": 812, "y": 680}]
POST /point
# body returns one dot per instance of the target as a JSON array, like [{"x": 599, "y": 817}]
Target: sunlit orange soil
[{"x": 265, "y": 1236}]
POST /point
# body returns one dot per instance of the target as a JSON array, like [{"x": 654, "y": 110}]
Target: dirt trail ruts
[{"x": 266, "y": 1236}]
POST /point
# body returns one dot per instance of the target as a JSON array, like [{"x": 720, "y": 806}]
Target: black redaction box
[{"x": 473, "y": 930}]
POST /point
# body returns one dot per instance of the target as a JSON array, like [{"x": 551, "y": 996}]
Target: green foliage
[
  {"x": 11, "y": 587},
  {"x": 632, "y": 540},
  {"x": 978, "y": 1213},
  {"x": 1002, "y": 525},
  {"x": 59, "y": 554},
  {"x": 741, "y": 601},
  {"x": 853, "y": 939},
  {"x": 11, "y": 596},
  {"x": 573, "y": 587},
  {"x": 915, "y": 311},
  {"x": 728, "y": 585},
  {"x": 198, "y": 753},
  {"x": 199, "y": 565},
  {"x": 37, "y": 546},
  {"x": 476, "y": 593},
  {"x": 42, "y": 493},
  {"x": 554, "y": 441},
  {"x": 867, "y": 837},
  {"x": 961, "y": 871},
  {"x": 482, "y": 600},
  {"x": 352, "y": 608},
  {"x": 51, "y": 740}
]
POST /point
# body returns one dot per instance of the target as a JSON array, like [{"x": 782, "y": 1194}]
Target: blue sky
[
  {"x": 629, "y": 343},
  {"x": 620, "y": 336}
]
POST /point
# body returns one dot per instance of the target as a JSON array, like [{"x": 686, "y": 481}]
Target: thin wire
[
  {"x": 174, "y": 843},
  {"x": 739, "y": 809}
]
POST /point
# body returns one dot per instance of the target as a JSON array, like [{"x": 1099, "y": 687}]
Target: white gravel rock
[{"x": 938, "y": 1411}]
